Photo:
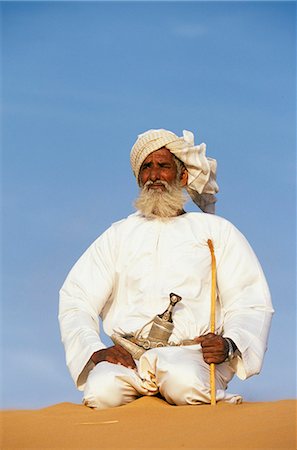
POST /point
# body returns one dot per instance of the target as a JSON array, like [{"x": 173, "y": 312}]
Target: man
[{"x": 127, "y": 274}]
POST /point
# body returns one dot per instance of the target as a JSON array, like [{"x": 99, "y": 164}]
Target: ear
[{"x": 184, "y": 178}]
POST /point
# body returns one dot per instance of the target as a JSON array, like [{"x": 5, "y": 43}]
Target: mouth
[{"x": 157, "y": 186}]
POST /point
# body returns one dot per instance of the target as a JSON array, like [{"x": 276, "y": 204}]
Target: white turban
[{"x": 202, "y": 185}]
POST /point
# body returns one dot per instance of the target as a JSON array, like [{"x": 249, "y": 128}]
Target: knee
[
  {"x": 102, "y": 389},
  {"x": 182, "y": 386}
]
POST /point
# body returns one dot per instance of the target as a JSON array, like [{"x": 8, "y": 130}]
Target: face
[{"x": 158, "y": 166}]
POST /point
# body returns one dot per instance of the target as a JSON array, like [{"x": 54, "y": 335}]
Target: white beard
[{"x": 159, "y": 203}]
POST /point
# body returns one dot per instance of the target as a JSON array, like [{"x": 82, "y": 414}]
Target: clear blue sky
[{"x": 80, "y": 81}]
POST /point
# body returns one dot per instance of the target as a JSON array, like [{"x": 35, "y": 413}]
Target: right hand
[{"x": 115, "y": 355}]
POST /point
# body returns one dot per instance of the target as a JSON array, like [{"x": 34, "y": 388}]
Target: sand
[{"x": 149, "y": 422}]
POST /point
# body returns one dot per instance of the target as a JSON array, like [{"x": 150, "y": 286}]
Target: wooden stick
[{"x": 212, "y": 320}]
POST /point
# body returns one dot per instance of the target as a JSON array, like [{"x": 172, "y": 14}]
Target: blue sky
[{"x": 80, "y": 81}]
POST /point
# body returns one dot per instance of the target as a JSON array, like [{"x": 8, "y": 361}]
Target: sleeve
[
  {"x": 86, "y": 290},
  {"x": 246, "y": 303}
]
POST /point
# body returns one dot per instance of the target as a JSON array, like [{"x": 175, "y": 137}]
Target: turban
[{"x": 201, "y": 185}]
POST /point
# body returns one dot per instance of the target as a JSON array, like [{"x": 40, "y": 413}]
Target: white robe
[{"x": 127, "y": 274}]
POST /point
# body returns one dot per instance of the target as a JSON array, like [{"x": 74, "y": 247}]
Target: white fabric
[
  {"x": 127, "y": 274},
  {"x": 185, "y": 382},
  {"x": 201, "y": 184}
]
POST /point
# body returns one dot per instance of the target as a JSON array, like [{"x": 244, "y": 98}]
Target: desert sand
[{"x": 150, "y": 422}]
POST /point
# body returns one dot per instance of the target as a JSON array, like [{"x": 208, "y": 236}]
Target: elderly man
[{"x": 128, "y": 273}]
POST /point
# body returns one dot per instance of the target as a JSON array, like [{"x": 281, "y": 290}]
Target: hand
[
  {"x": 214, "y": 348},
  {"x": 116, "y": 355}
]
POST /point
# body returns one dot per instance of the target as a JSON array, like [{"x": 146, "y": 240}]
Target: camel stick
[{"x": 212, "y": 320}]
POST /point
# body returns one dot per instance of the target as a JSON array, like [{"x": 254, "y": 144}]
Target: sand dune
[{"x": 151, "y": 423}]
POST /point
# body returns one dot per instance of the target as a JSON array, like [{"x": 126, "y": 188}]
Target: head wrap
[{"x": 201, "y": 170}]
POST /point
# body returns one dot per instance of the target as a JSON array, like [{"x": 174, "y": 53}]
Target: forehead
[{"x": 162, "y": 154}]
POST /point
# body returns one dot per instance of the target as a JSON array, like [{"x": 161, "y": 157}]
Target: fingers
[
  {"x": 127, "y": 359},
  {"x": 205, "y": 340},
  {"x": 204, "y": 337},
  {"x": 118, "y": 355},
  {"x": 213, "y": 348},
  {"x": 213, "y": 357}
]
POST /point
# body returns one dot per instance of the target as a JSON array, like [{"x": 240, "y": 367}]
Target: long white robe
[{"x": 127, "y": 274}]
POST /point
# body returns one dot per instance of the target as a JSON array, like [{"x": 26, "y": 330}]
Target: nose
[{"x": 154, "y": 174}]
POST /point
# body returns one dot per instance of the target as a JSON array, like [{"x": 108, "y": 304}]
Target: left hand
[{"x": 214, "y": 348}]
